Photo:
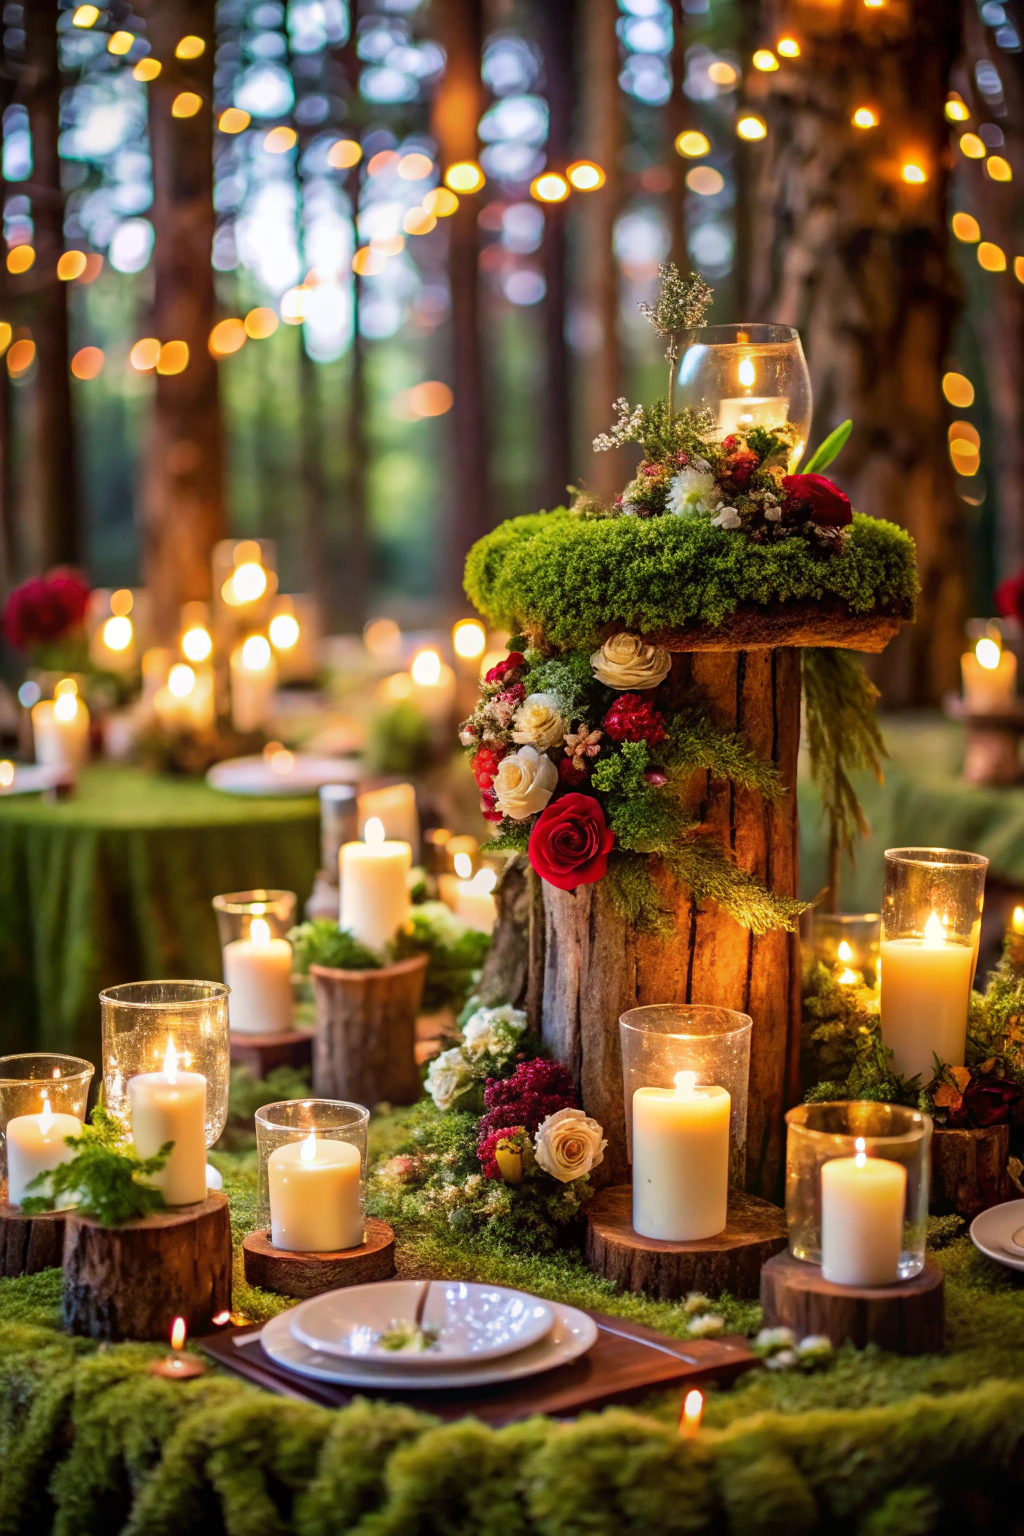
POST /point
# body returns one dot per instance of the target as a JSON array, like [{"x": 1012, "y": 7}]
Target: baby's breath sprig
[{"x": 679, "y": 309}]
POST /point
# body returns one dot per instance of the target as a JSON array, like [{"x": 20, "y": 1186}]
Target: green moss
[{"x": 569, "y": 578}]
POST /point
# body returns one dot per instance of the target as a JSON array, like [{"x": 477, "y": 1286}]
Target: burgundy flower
[
  {"x": 737, "y": 470},
  {"x": 570, "y": 842},
  {"x": 1010, "y": 597},
  {"x": 569, "y": 773},
  {"x": 45, "y": 608},
  {"x": 632, "y": 718},
  {"x": 485, "y": 766},
  {"x": 512, "y": 697},
  {"x": 986, "y": 1101},
  {"x": 489, "y": 808},
  {"x": 536, "y": 1089},
  {"x": 818, "y": 499},
  {"x": 513, "y": 661}
]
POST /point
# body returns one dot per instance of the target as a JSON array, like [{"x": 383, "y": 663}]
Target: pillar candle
[
  {"x": 374, "y": 889},
  {"x": 746, "y": 411},
  {"x": 259, "y": 972},
  {"x": 926, "y": 989},
  {"x": 171, "y": 1106},
  {"x": 989, "y": 677},
  {"x": 60, "y": 729},
  {"x": 474, "y": 901},
  {"x": 394, "y": 806},
  {"x": 315, "y": 1196},
  {"x": 862, "y": 1204},
  {"x": 253, "y": 682},
  {"x": 186, "y": 704},
  {"x": 35, "y": 1144},
  {"x": 680, "y": 1160}
]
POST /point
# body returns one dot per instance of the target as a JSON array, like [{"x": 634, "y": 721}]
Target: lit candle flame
[
  {"x": 426, "y": 668},
  {"x": 847, "y": 978},
  {"x": 693, "y": 1411},
  {"x": 746, "y": 372},
  {"x": 463, "y": 865},
  {"x": 934, "y": 932},
  {"x": 259, "y": 932},
  {"x": 46, "y": 1118},
  {"x": 862, "y": 1156},
  {"x": 469, "y": 639},
  {"x": 685, "y": 1084},
  {"x": 1017, "y": 920},
  {"x": 65, "y": 707},
  {"x": 171, "y": 1065},
  {"x": 484, "y": 880},
  {"x": 308, "y": 1151},
  {"x": 373, "y": 832},
  {"x": 222, "y": 1318},
  {"x": 845, "y": 952},
  {"x": 988, "y": 653},
  {"x": 178, "y": 1333},
  {"x": 6, "y": 774}
]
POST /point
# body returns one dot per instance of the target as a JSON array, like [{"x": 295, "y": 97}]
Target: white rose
[
  {"x": 524, "y": 783},
  {"x": 447, "y": 1076},
  {"x": 626, "y": 662},
  {"x": 538, "y": 722},
  {"x": 568, "y": 1144},
  {"x": 491, "y": 1028},
  {"x": 692, "y": 491}
]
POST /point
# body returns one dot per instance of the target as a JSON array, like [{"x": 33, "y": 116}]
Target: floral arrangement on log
[{"x": 45, "y": 618}]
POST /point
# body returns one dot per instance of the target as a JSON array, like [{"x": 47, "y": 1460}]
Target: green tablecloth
[{"x": 115, "y": 885}]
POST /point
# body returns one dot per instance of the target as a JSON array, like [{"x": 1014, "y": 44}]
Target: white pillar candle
[
  {"x": 862, "y": 1204},
  {"x": 474, "y": 900},
  {"x": 60, "y": 729},
  {"x": 36, "y": 1144},
  {"x": 680, "y": 1160},
  {"x": 926, "y": 990},
  {"x": 259, "y": 972},
  {"x": 374, "y": 889},
  {"x": 315, "y": 1196},
  {"x": 186, "y": 701},
  {"x": 394, "y": 806},
  {"x": 989, "y": 678},
  {"x": 434, "y": 687},
  {"x": 171, "y": 1106},
  {"x": 746, "y": 411},
  {"x": 253, "y": 681}
]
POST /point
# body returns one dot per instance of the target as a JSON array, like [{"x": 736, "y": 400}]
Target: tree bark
[
  {"x": 364, "y": 1049},
  {"x": 556, "y": 33},
  {"x": 969, "y": 1170},
  {"x": 858, "y": 259},
  {"x": 183, "y": 468},
  {"x": 29, "y": 1244}
]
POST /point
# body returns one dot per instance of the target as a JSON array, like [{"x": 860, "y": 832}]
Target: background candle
[
  {"x": 374, "y": 890},
  {"x": 315, "y": 1196},
  {"x": 926, "y": 988},
  {"x": 171, "y": 1106},
  {"x": 862, "y": 1204},
  {"x": 253, "y": 681},
  {"x": 36, "y": 1144},
  {"x": 680, "y": 1160},
  {"x": 989, "y": 677},
  {"x": 60, "y": 730},
  {"x": 474, "y": 900},
  {"x": 394, "y": 806},
  {"x": 259, "y": 972}
]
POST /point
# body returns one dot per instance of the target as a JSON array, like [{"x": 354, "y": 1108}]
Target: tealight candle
[
  {"x": 680, "y": 1160},
  {"x": 989, "y": 677},
  {"x": 259, "y": 972},
  {"x": 862, "y": 1205},
  {"x": 60, "y": 729},
  {"x": 171, "y": 1106},
  {"x": 374, "y": 889},
  {"x": 926, "y": 989},
  {"x": 315, "y": 1196},
  {"x": 37, "y": 1144}
]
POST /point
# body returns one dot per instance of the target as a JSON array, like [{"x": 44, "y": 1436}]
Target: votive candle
[
  {"x": 681, "y": 1160},
  {"x": 315, "y": 1196},
  {"x": 862, "y": 1205}
]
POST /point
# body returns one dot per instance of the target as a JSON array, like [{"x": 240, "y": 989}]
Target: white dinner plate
[
  {"x": 302, "y": 774},
  {"x": 992, "y": 1232},
  {"x": 572, "y": 1334},
  {"x": 474, "y": 1322},
  {"x": 35, "y": 779}
]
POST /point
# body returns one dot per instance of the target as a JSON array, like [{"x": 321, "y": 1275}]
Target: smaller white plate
[
  {"x": 303, "y": 775},
  {"x": 474, "y": 1322},
  {"x": 35, "y": 779},
  {"x": 992, "y": 1232},
  {"x": 572, "y": 1334}
]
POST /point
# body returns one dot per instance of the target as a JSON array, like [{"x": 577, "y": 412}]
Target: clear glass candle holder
[
  {"x": 337, "y": 1210},
  {"x": 821, "y": 1133},
  {"x": 31, "y": 1080},
  {"x": 236, "y": 909},
  {"x": 750, "y": 376},
  {"x": 847, "y": 942},
  {"x": 931, "y": 927},
  {"x": 143, "y": 1020}
]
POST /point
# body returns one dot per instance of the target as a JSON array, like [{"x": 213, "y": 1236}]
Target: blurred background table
[{"x": 115, "y": 885}]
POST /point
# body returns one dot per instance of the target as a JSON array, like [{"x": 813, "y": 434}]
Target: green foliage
[
  {"x": 695, "y": 742},
  {"x": 843, "y": 1055},
  {"x": 830, "y": 449},
  {"x": 570, "y": 678},
  {"x": 705, "y": 866},
  {"x": 105, "y": 1179},
  {"x": 509, "y": 837},
  {"x": 247, "y": 1094},
  {"x": 399, "y": 740},
  {"x": 569, "y": 578},
  {"x": 455, "y": 954},
  {"x": 321, "y": 942}
]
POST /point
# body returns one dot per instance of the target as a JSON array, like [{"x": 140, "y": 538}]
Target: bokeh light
[
  {"x": 233, "y": 120},
  {"x": 173, "y": 357},
  {"x": 186, "y": 104},
  {"x": 440, "y": 202},
  {"x": 85, "y": 16},
  {"x": 914, "y": 173},
  {"x": 464, "y": 176},
  {"x": 469, "y": 639},
  {"x": 966, "y": 228},
  {"x": 958, "y": 390},
  {"x": 280, "y": 140},
  {"x": 190, "y": 47},
  {"x": 956, "y": 108},
  {"x": 226, "y": 337},
  {"x": 256, "y": 653},
  {"x": 705, "y": 180},
  {"x": 991, "y": 257},
  {"x": 426, "y": 668},
  {"x": 751, "y": 128},
  {"x": 20, "y": 259},
  {"x": 585, "y": 176},
  {"x": 120, "y": 43},
  {"x": 117, "y": 632},
  {"x": 87, "y": 363},
  {"x": 260, "y": 323},
  {"x": 788, "y": 47},
  {"x": 145, "y": 354},
  {"x": 549, "y": 188},
  {"x": 972, "y": 146},
  {"x": 765, "y": 60},
  {"x": 181, "y": 680},
  {"x": 691, "y": 144},
  {"x": 998, "y": 168},
  {"x": 147, "y": 69},
  {"x": 70, "y": 264},
  {"x": 284, "y": 631},
  {"x": 865, "y": 117},
  {"x": 415, "y": 167},
  {"x": 20, "y": 357},
  {"x": 343, "y": 154},
  {"x": 196, "y": 643}
]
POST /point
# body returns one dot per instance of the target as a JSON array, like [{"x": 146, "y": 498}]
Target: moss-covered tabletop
[{"x": 869, "y": 1444}]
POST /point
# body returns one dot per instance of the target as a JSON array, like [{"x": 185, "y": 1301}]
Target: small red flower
[
  {"x": 485, "y": 766},
  {"x": 1010, "y": 597},
  {"x": 570, "y": 842},
  {"x": 818, "y": 499},
  {"x": 737, "y": 470},
  {"x": 632, "y": 718},
  {"x": 488, "y": 806},
  {"x": 536, "y": 1089},
  {"x": 513, "y": 661},
  {"x": 569, "y": 773}
]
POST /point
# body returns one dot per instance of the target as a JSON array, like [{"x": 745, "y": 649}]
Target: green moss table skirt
[{"x": 115, "y": 885}]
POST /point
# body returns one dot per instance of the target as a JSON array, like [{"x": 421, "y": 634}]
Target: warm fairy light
[
  {"x": 440, "y": 202},
  {"x": 722, "y": 73},
  {"x": 284, "y": 631},
  {"x": 958, "y": 390},
  {"x": 746, "y": 372},
  {"x": 282, "y": 761},
  {"x": 788, "y": 47},
  {"x": 256, "y": 653},
  {"x": 71, "y": 265},
  {"x": 426, "y": 668},
  {"x": 259, "y": 932},
  {"x": 226, "y": 337},
  {"x": 964, "y": 435},
  {"x": 417, "y": 221},
  {"x": 464, "y": 176},
  {"x": 5, "y": 336},
  {"x": 998, "y": 168},
  {"x": 233, "y": 120},
  {"x": 463, "y": 865},
  {"x": 415, "y": 166},
  {"x": 293, "y": 304},
  {"x": 705, "y": 180},
  {"x": 87, "y": 363},
  {"x": 1018, "y": 268},
  {"x": 865, "y": 117},
  {"x": 117, "y": 633},
  {"x": 186, "y": 104},
  {"x": 693, "y": 1412},
  {"x": 382, "y": 637},
  {"x": 956, "y": 108},
  {"x": 67, "y": 685},
  {"x": 308, "y": 1152},
  {"x": 367, "y": 262},
  {"x": 1017, "y": 920},
  {"x": 549, "y": 188},
  {"x": 987, "y": 654},
  {"x": 913, "y": 173},
  {"x": 586, "y": 176},
  {"x": 178, "y": 1333},
  {"x": 120, "y": 43},
  {"x": 248, "y": 582},
  {"x": 765, "y": 60},
  {"x": 190, "y": 47},
  {"x": 966, "y": 228},
  {"x": 991, "y": 257},
  {"x": 173, "y": 357},
  {"x": 20, "y": 357},
  {"x": 431, "y": 398},
  {"x": 6, "y": 773},
  {"x": 20, "y": 259},
  {"x": 691, "y": 144},
  {"x": 343, "y": 154},
  {"x": 260, "y": 323},
  {"x": 65, "y": 707},
  {"x": 972, "y": 146},
  {"x": 751, "y": 128},
  {"x": 279, "y": 140},
  {"x": 85, "y": 16},
  {"x": 373, "y": 832},
  {"x": 392, "y": 245},
  {"x": 145, "y": 354},
  {"x": 196, "y": 643},
  {"x": 383, "y": 161},
  {"x": 146, "y": 69},
  {"x": 469, "y": 639},
  {"x": 181, "y": 680}
]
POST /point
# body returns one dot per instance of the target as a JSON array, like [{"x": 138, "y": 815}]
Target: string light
[
  {"x": 913, "y": 173},
  {"x": 705, "y": 180},
  {"x": 384, "y": 160},
  {"x": 5, "y": 336},
  {"x": 71, "y": 264},
  {"x": 751, "y": 128},
  {"x": 692, "y": 145},
  {"x": 190, "y": 47},
  {"x": 145, "y": 354},
  {"x": 173, "y": 358},
  {"x": 147, "y": 69},
  {"x": 367, "y": 262},
  {"x": 956, "y": 108},
  {"x": 440, "y": 202},
  {"x": 388, "y": 245},
  {"x": 85, "y": 16},
  {"x": 293, "y": 305},
  {"x": 549, "y": 187},
  {"x": 998, "y": 168},
  {"x": 585, "y": 176},
  {"x": 414, "y": 167},
  {"x": 765, "y": 60},
  {"x": 87, "y": 363},
  {"x": 20, "y": 357},
  {"x": 260, "y": 323},
  {"x": 120, "y": 43},
  {"x": 280, "y": 140},
  {"x": 865, "y": 117},
  {"x": 20, "y": 259},
  {"x": 343, "y": 154},
  {"x": 226, "y": 337},
  {"x": 991, "y": 257},
  {"x": 958, "y": 390},
  {"x": 966, "y": 228},
  {"x": 417, "y": 221},
  {"x": 788, "y": 47},
  {"x": 722, "y": 73},
  {"x": 186, "y": 104},
  {"x": 972, "y": 146},
  {"x": 431, "y": 398},
  {"x": 464, "y": 176},
  {"x": 233, "y": 120}
]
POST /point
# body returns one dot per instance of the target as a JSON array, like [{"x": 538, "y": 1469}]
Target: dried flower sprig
[{"x": 680, "y": 307}]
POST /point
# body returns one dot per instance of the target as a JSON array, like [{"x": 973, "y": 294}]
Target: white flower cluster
[
  {"x": 628, "y": 428},
  {"x": 782, "y": 1351},
  {"x": 693, "y": 491},
  {"x": 487, "y": 1032}
]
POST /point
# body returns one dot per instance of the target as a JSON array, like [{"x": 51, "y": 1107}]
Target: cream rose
[
  {"x": 568, "y": 1144},
  {"x": 524, "y": 783},
  {"x": 447, "y": 1076},
  {"x": 626, "y": 662},
  {"x": 538, "y": 722}
]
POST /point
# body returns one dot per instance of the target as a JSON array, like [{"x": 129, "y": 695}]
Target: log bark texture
[
  {"x": 264, "y": 1053},
  {"x": 364, "y": 1049},
  {"x": 590, "y": 967},
  {"x": 29, "y": 1244},
  {"x": 969, "y": 1170},
  {"x": 731, "y": 1262},
  {"x": 131, "y": 1282},
  {"x": 309, "y": 1274},
  {"x": 907, "y": 1318}
]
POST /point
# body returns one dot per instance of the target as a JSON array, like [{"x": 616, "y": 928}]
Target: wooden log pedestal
[
  {"x": 587, "y": 966},
  {"x": 907, "y": 1318},
  {"x": 132, "y": 1281},
  {"x": 969, "y": 1170},
  {"x": 29, "y": 1244},
  {"x": 364, "y": 1048},
  {"x": 732, "y": 1261},
  {"x": 307, "y": 1274},
  {"x": 260, "y": 1054}
]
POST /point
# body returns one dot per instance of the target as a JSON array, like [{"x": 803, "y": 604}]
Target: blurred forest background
[{"x": 377, "y": 371}]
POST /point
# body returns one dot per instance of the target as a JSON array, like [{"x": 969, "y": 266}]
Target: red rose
[
  {"x": 818, "y": 499},
  {"x": 45, "y": 608},
  {"x": 488, "y": 807},
  {"x": 512, "y": 662},
  {"x": 1010, "y": 597},
  {"x": 570, "y": 842},
  {"x": 632, "y": 718}
]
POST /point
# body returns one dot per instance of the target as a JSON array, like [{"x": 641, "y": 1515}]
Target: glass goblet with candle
[
  {"x": 847, "y": 943},
  {"x": 931, "y": 927},
  {"x": 43, "y": 1100},
  {"x": 257, "y": 958},
  {"x": 749, "y": 376},
  {"x": 311, "y": 1174}
]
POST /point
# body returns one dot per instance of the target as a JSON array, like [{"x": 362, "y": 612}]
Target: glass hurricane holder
[
  {"x": 846, "y": 942},
  {"x": 294, "y": 1121},
  {"x": 142, "y": 1019},
  {"x": 29, "y": 1081},
  {"x": 931, "y": 927},
  {"x": 818, "y": 1134},
  {"x": 236, "y": 909},
  {"x": 749, "y": 376}
]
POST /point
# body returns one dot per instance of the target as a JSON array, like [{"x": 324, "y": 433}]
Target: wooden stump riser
[
  {"x": 29, "y": 1244},
  {"x": 969, "y": 1170},
  {"x": 310, "y": 1274},
  {"x": 907, "y": 1318},
  {"x": 261, "y": 1054},
  {"x": 364, "y": 1048}
]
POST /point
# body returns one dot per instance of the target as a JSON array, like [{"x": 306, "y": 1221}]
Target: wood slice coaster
[
  {"x": 131, "y": 1282},
  {"x": 29, "y": 1243},
  {"x": 732, "y": 1261},
  {"x": 969, "y": 1170},
  {"x": 262, "y": 1053},
  {"x": 907, "y": 1318},
  {"x": 307, "y": 1274}
]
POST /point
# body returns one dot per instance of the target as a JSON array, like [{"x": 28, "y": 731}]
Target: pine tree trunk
[
  {"x": 858, "y": 259},
  {"x": 357, "y": 565},
  {"x": 556, "y": 35},
  {"x": 183, "y": 469}
]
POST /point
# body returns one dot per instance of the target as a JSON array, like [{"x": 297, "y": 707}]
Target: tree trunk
[
  {"x": 858, "y": 259},
  {"x": 556, "y": 31},
  {"x": 676, "y": 120},
  {"x": 183, "y": 469},
  {"x": 364, "y": 1049},
  {"x": 8, "y": 526}
]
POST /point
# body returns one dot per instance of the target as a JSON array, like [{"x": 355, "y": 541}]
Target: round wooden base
[
  {"x": 907, "y": 1318},
  {"x": 29, "y": 1243},
  {"x": 262, "y": 1053},
  {"x": 969, "y": 1170},
  {"x": 729, "y": 1262},
  {"x": 131, "y": 1282},
  {"x": 307, "y": 1274}
]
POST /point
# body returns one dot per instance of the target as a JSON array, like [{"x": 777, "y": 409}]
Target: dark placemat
[{"x": 627, "y": 1362}]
